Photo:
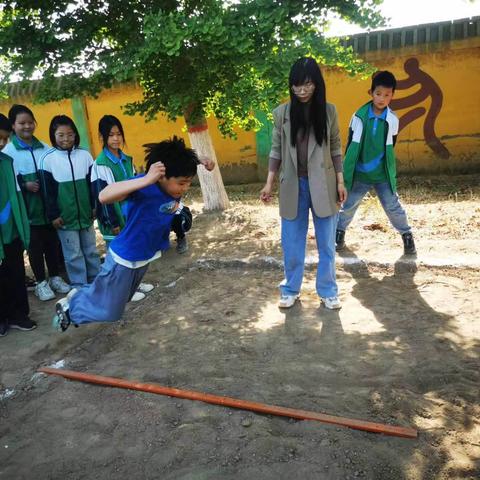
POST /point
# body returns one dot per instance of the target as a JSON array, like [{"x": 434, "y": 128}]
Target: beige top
[{"x": 321, "y": 173}]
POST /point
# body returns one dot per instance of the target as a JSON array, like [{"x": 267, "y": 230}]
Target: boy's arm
[{"x": 116, "y": 192}]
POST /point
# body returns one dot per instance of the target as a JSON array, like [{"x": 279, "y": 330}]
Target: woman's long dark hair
[{"x": 303, "y": 70}]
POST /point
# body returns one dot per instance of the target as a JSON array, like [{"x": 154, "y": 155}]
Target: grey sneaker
[
  {"x": 182, "y": 245},
  {"x": 57, "y": 284},
  {"x": 44, "y": 292}
]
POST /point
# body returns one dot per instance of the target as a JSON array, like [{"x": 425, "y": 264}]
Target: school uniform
[
  {"x": 370, "y": 163},
  {"x": 66, "y": 182},
  {"x": 14, "y": 239},
  {"x": 106, "y": 170},
  {"x": 44, "y": 240},
  {"x": 149, "y": 215}
]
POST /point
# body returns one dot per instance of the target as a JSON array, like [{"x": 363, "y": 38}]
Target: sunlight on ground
[{"x": 270, "y": 316}]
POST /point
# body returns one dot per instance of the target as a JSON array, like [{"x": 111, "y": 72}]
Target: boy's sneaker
[
  {"x": 339, "y": 240},
  {"x": 137, "y": 297},
  {"x": 182, "y": 245},
  {"x": 61, "y": 321},
  {"x": 408, "y": 244},
  {"x": 332, "y": 303},
  {"x": 145, "y": 287},
  {"x": 71, "y": 293},
  {"x": 287, "y": 301},
  {"x": 57, "y": 284},
  {"x": 30, "y": 283},
  {"x": 24, "y": 324},
  {"x": 44, "y": 292},
  {"x": 3, "y": 329}
]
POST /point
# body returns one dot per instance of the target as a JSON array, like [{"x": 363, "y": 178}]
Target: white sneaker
[
  {"x": 332, "y": 303},
  {"x": 71, "y": 293},
  {"x": 57, "y": 284},
  {"x": 44, "y": 292},
  {"x": 287, "y": 301},
  {"x": 145, "y": 287},
  {"x": 137, "y": 296}
]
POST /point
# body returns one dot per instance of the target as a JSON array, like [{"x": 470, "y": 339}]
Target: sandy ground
[{"x": 404, "y": 350}]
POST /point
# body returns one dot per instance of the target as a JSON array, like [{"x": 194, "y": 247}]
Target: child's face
[
  {"x": 24, "y": 126},
  {"x": 115, "y": 139},
  {"x": 175, "y": 186},
  {"x": 65, "y": 137},
  {"x": 381, "y": 96},
  {"x": 4, "y": 137}
]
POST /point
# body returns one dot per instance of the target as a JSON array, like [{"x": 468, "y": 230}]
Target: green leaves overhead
[{"x": 202, "y": 57}]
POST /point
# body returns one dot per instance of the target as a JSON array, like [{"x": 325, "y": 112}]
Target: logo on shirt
[{"x": 168, "y": 207}]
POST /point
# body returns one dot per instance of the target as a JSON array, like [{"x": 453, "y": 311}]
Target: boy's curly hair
[{"x": 179, "y": 160}]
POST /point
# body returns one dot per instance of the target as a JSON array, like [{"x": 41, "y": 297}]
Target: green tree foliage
[{"x": 191, "y": 58}]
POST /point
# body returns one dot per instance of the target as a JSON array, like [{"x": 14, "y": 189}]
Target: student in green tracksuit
[
  {"x": 65, "y": 171},
  {"x": 14, "y": 239},
  {"x": 370, "y": 161},
  {"x": 26, "y": 151}
]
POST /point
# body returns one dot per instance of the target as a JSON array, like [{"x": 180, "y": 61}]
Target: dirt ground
[{"x": 403, "y": 350}]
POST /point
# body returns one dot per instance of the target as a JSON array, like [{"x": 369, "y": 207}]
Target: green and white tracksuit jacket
[
  {"x": 355, "y": 142},
  {"x": 26, "y": 162},
  {"x": 66, "y": 183},
  {"x": 106, "y": 170},
  {"x": 13, "y": 214}
]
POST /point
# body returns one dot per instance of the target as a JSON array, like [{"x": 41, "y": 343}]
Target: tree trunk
[{"x": 213, "y": 192}]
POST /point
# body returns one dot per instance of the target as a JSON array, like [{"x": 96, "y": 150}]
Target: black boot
[
  {"x": 339, "y": 240},
  {"x": 408, "y": 244}
]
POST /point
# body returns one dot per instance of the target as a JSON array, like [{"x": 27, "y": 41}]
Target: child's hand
[
  {"x": 342, "y": 193},
  {"x": 266, "y": 193},
  {"x": 58, "y": 223},
  {"x": 155, "y": 172},
  {"x": 207, "y": 162},
  {"x": 33, "y": 186}
]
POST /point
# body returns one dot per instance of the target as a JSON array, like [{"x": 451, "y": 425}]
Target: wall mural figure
[{"x": 428, "y": 88}]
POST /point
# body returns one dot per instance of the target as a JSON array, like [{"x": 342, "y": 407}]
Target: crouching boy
[{"x": 153, "y": 203}]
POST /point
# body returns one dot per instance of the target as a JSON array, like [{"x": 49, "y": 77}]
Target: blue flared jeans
[{"x": 294, "y": 241}]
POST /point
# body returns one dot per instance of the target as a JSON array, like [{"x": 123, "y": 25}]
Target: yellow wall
[
  {"x": 43, "y": 113},
  {"x": 455, "y": 67},
  {"x": 138, "y": 132}
]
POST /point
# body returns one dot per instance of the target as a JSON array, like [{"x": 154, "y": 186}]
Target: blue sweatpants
[{"x": 105, "y": 299}]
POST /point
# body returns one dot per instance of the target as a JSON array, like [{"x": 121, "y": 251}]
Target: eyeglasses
[{"x": 306, "y": 87}]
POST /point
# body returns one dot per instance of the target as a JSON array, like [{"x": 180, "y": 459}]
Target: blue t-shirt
[{"x": 149, "y": 218}]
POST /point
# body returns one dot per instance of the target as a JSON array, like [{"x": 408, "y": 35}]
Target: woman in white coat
[{"x": 306, "y": 151}]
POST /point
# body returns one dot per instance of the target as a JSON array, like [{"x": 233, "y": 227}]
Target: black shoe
[
  {"x": 182, "y": 245},
  {"x": 408, "y": 244},
  {"x": 24, "y": 324},
  {"x": 3, "y": 329},
  {"x": 339, "y": 240},
  {"x": 30, "y": 283}
]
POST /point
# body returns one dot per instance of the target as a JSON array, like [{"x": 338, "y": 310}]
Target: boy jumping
[
  {"x": 153, "y": 202},
  {"x": 370, "y": 161}
]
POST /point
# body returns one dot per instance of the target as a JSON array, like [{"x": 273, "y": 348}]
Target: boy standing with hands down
[
  {"x": 370, "y": 161},
  {"x": 153, "y": 200}
]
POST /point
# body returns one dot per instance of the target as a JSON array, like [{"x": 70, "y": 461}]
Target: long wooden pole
[{"x": 235, "y": 403}]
